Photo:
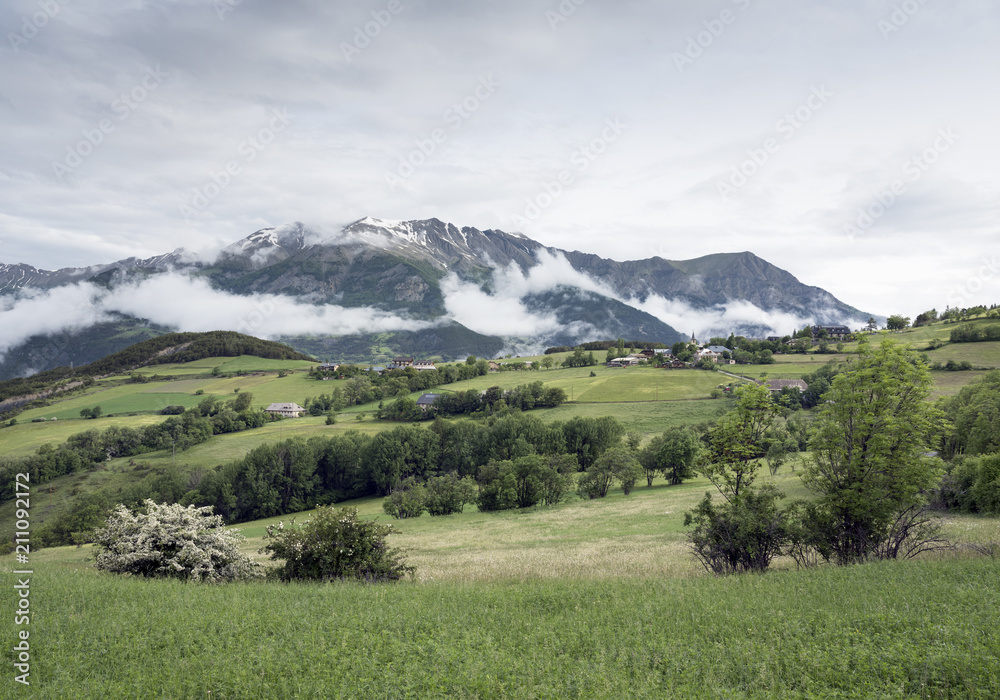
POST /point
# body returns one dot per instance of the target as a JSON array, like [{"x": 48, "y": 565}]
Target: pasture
[{"x": 585, "y": 599}]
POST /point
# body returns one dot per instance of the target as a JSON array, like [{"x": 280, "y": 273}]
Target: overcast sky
[{"x": 851, "y": 142}]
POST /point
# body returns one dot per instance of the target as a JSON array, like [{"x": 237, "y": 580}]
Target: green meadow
[{"x": 588, "y": 599}]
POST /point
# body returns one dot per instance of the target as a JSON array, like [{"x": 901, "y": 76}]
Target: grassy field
[
  {"x": 243, "y": 363},
  {"x": 24, "y": 438},
  {"x": 587, "y": 599},
  {"x": 631, "y": 384}
]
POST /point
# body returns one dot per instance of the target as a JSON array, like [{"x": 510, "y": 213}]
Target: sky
[{"x": 852, "y": 143}]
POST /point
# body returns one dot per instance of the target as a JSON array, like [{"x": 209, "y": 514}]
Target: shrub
[
  {"x": 741, "y": 535},
  {"x": 172, "y": 541},
  {"x": 407, "y": 501},
  {"x": 335, "y": 545},
  {"x": 448, "y": 494}
]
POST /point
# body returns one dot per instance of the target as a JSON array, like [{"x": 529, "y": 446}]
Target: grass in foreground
[
  {"x": 587, "y": 599},
  {"x": 900, "y": 629}
]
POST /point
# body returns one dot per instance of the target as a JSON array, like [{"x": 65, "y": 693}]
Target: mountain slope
[
  {"x": 404, "y": 277},
  {"x": 163, "y": 348}
]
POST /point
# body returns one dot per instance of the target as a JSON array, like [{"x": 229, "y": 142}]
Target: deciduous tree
[{"x": 869, "y": 471}]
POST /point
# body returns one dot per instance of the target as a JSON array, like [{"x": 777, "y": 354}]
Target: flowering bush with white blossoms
[
  {"x": 335, "y": 545},
  {"x": 172, "y": 541}
]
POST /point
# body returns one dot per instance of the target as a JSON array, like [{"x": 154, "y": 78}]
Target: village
[{"x": 690, "y": 355}]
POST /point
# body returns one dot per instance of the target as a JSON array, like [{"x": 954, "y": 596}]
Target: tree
[
  {"x": 925, "y": 318},
  {"x": 448, "y": 494},
  {"x": 617, "y": 463},
  {"x": 897, "y": 322},
  {"x": 737, "y": 442},
  {"x": 242, "y": 401},
  {"x": 171, "y": 541},
  {"x": 335, "y": 544},
  {"x": 94, "y": 412},
  {"x": 747, "y": 530},
  {"x": 869, "y": 471},
  {"x": 975, "y": 414},
  {"x": 673, "y": 454},
  {"x": 407, "y": 501}
]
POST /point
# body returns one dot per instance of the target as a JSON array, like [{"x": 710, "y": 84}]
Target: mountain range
[{"x": 374, "y": 288}]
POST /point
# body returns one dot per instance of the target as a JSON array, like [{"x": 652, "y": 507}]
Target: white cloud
[
  {"x": 36, "y": 312},
  {"x": 186, "y": 304},
  {"x": 722, "y": 320}
]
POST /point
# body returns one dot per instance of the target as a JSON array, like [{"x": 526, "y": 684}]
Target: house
[
  {"x": 494, "y": 366},
  {"x": 719, "y": 349},
  {"x": 329, "y": 367},
  {"x": 708, "y": 354},
  {"x": 674, "y": 364},
  {"x": 425, "y": 401},
  {"x": 773, "y": 339},
  {"x": 421, "y": 365},
  {"x": 835, "y": 332},
  {"x": 285, "y": 410},
  {"x": 403, "y": 362},
  {"x": 627, "y": 361},
  {"x": 776, "y": 385}
]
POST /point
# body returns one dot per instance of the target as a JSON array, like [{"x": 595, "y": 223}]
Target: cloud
[
  {"x": 36, "y": 312},
  {"x": 186, "y": 304},
  {"x": 734, "y": 316},
  {"x": 501, "y": 311}
]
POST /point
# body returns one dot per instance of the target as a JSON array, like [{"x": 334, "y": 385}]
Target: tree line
[
  {"x": 89, "y": 448},
  {"x": 524, "y": 397}
]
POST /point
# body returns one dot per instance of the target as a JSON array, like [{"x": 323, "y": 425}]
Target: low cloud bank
[
  {"x": 190, "y": 304},
  {"x": 186, "y": 304}
]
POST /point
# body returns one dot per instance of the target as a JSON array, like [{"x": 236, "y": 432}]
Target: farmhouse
[
  {"x": 425, "y": 401},
  {"x": 402, "y": 362},
  {"x": 286, "y": 410},
  {"x": 776, "y": 385},
  {"x": 712, "y": 352},
  {"x": 421, "y": 365},
  {"x": 835, "y": 332},
  {"x": 329, "y": 367}
]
